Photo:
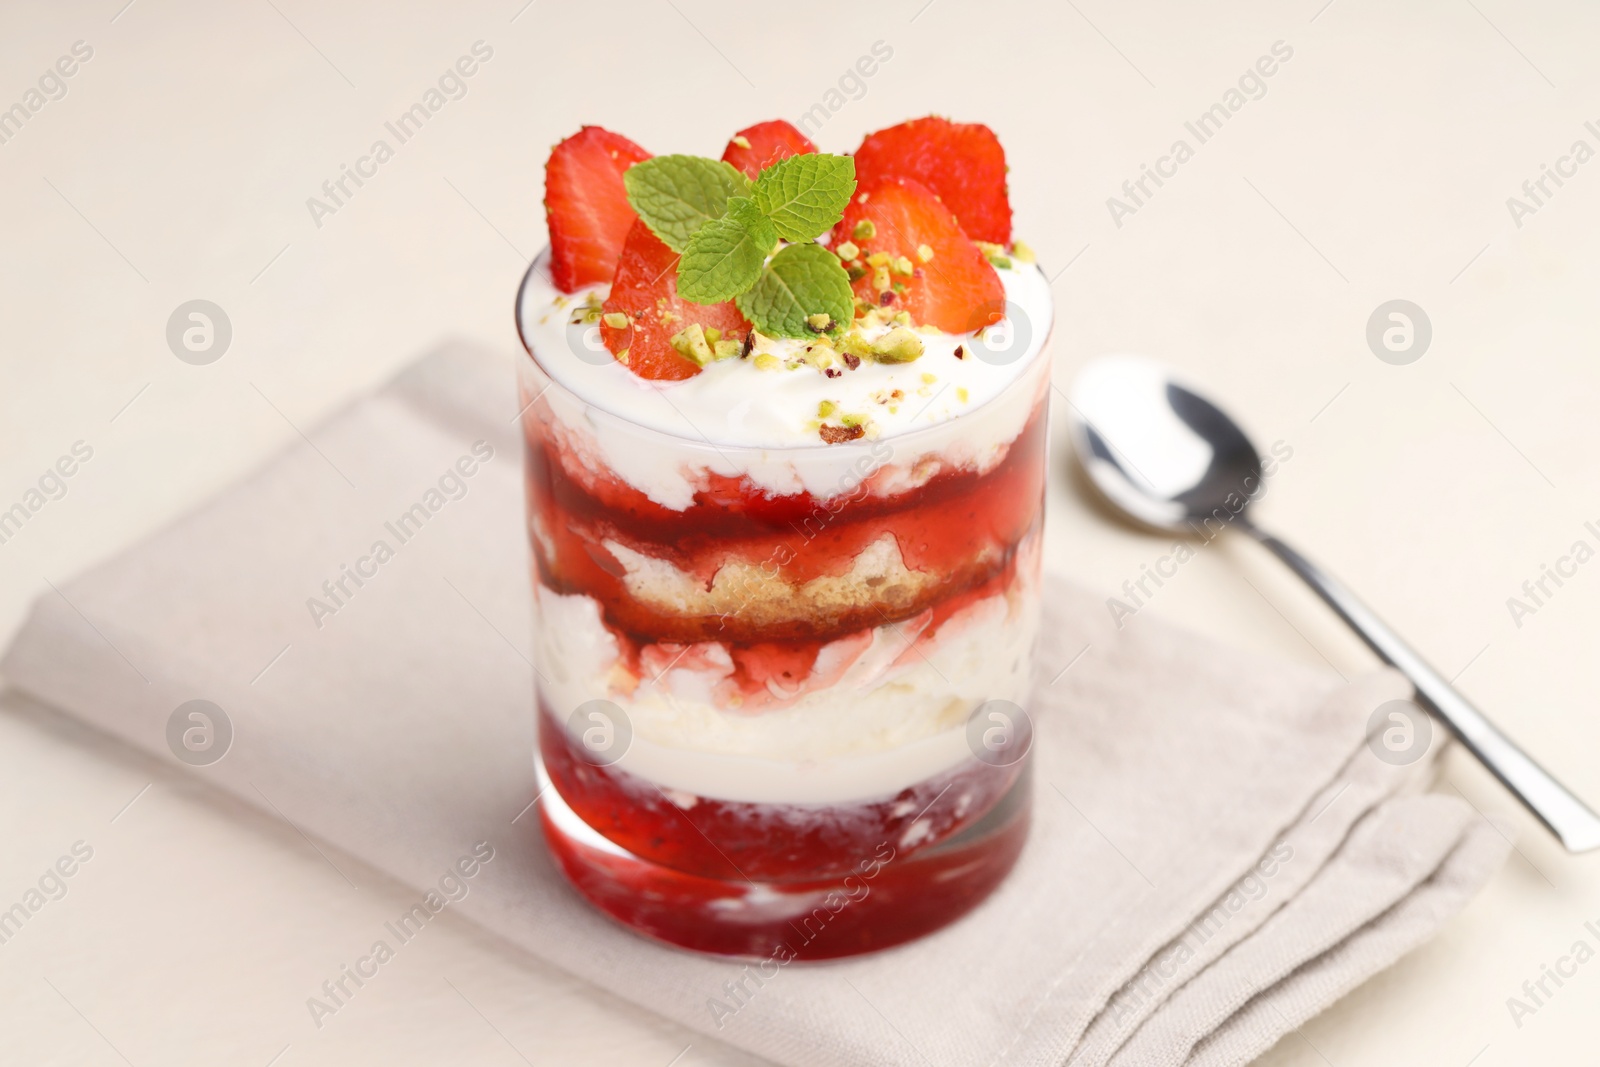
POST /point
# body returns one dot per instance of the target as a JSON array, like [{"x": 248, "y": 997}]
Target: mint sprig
[
  {"x": 724, "y": 257},
  {"x": 676, "y": 195},
  {"x": 802, "y": 280},
  {"x": 806, "y": 195},
  {"x": 725, "y": 227}
]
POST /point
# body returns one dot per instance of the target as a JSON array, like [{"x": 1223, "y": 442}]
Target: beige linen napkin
[{"x": 1215, "y": 857}]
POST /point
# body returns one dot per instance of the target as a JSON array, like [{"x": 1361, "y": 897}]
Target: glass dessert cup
[{"x": 780, "y": 689}]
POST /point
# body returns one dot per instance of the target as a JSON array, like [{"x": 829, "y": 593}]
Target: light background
[{"x": 1376, "y": 166}]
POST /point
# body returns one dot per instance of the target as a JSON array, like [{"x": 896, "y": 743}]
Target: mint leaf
[
  {"x": 676, "y": 195},
  {"x": 724, "y": 257},
  {"x": 806, "y": 195},
  {"x": 802, "y": 280}
]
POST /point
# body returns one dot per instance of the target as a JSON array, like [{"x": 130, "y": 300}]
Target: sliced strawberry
[
  {"x": 962, "y": 162},
  {"x": 587, "y": 206},
  {"x": 769, "y": 142},
  {"x": 646, "y": 290},
  {"x": 954, "y": 289}
]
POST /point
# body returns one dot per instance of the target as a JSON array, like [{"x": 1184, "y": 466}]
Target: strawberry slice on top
[
  {"x": 587, "y": 206},
  {"x": 764, "y": 144},
  {"x": 646, "y": 293},
  {"x": 913, "y": 255},
  {"x": 962, "y": 162}
]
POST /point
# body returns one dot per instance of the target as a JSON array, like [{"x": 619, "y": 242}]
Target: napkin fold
[{"x": 1216, "y": 855}]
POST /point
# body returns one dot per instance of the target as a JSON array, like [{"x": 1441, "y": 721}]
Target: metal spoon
[{"x": 1170, "y": 459}]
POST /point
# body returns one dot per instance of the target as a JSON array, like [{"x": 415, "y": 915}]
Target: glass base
[{"x": 884, "y": 900}]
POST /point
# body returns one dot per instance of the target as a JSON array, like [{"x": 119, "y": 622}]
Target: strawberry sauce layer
[
  {"x": 886, "y": 895},
  {"x": 775, "y": 843},
  {"x": 959, "y": 530}
]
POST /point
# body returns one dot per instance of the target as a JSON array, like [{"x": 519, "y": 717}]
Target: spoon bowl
[{"x": 1157, "y": 450}]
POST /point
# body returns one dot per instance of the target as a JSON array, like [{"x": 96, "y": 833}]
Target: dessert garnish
[{"x": 781, "y": 256}]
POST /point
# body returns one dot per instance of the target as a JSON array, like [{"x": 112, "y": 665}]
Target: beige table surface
[{"x": 1377, "y": 165}]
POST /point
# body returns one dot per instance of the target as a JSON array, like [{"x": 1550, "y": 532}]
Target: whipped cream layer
[
  {"x": 894, "y": 715},
  {"x": 734, "y": 419}
]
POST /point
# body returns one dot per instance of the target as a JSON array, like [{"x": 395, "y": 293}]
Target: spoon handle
[{"x": 1567, "y": 817}]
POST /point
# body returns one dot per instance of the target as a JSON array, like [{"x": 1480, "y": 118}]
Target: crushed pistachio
[
  {"x": 741, "y": 140},
  {"x": 588, "y": 313},
  {"x": 961, "y": 393},
  {"x": 925, "y": 252},
  {"x": 690, "y": 343},
  {"x": 819, "y": 322},
  {"x": 834, "y": 435},
  {"x": 929, "y": 378},
  {"x": 995, "y": 254},
  {"x": 1023, "y": 251},
  {"x": 864, "y": 230},
  {"x": 713, "y": 334},
  {"x": 622, "y": 357},
  {"x": 826, "y": 408},
  {"x": 848, "y": 250},
  {"x": 615, "y": 319},
  {"x": 726, "y": 348},
  {"x": 855, "y": 345},
  {"x": 767, "y": 361},
  {"x": 903, "y": 266},
  {"x": 855, "y": 272},
  {"x": 880, "y": 278},
  {"x": 820, "y": 357},
  {"x": 888, "y": 315},
  {"x": 899, "y": 345},
  {"x": 879, "y": 259}
]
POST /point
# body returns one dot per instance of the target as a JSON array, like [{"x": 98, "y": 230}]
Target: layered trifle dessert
[{"x": 785, "y": 425}]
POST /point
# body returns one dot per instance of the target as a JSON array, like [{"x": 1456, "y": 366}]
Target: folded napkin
[{"x": 1215, "y": 856}]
